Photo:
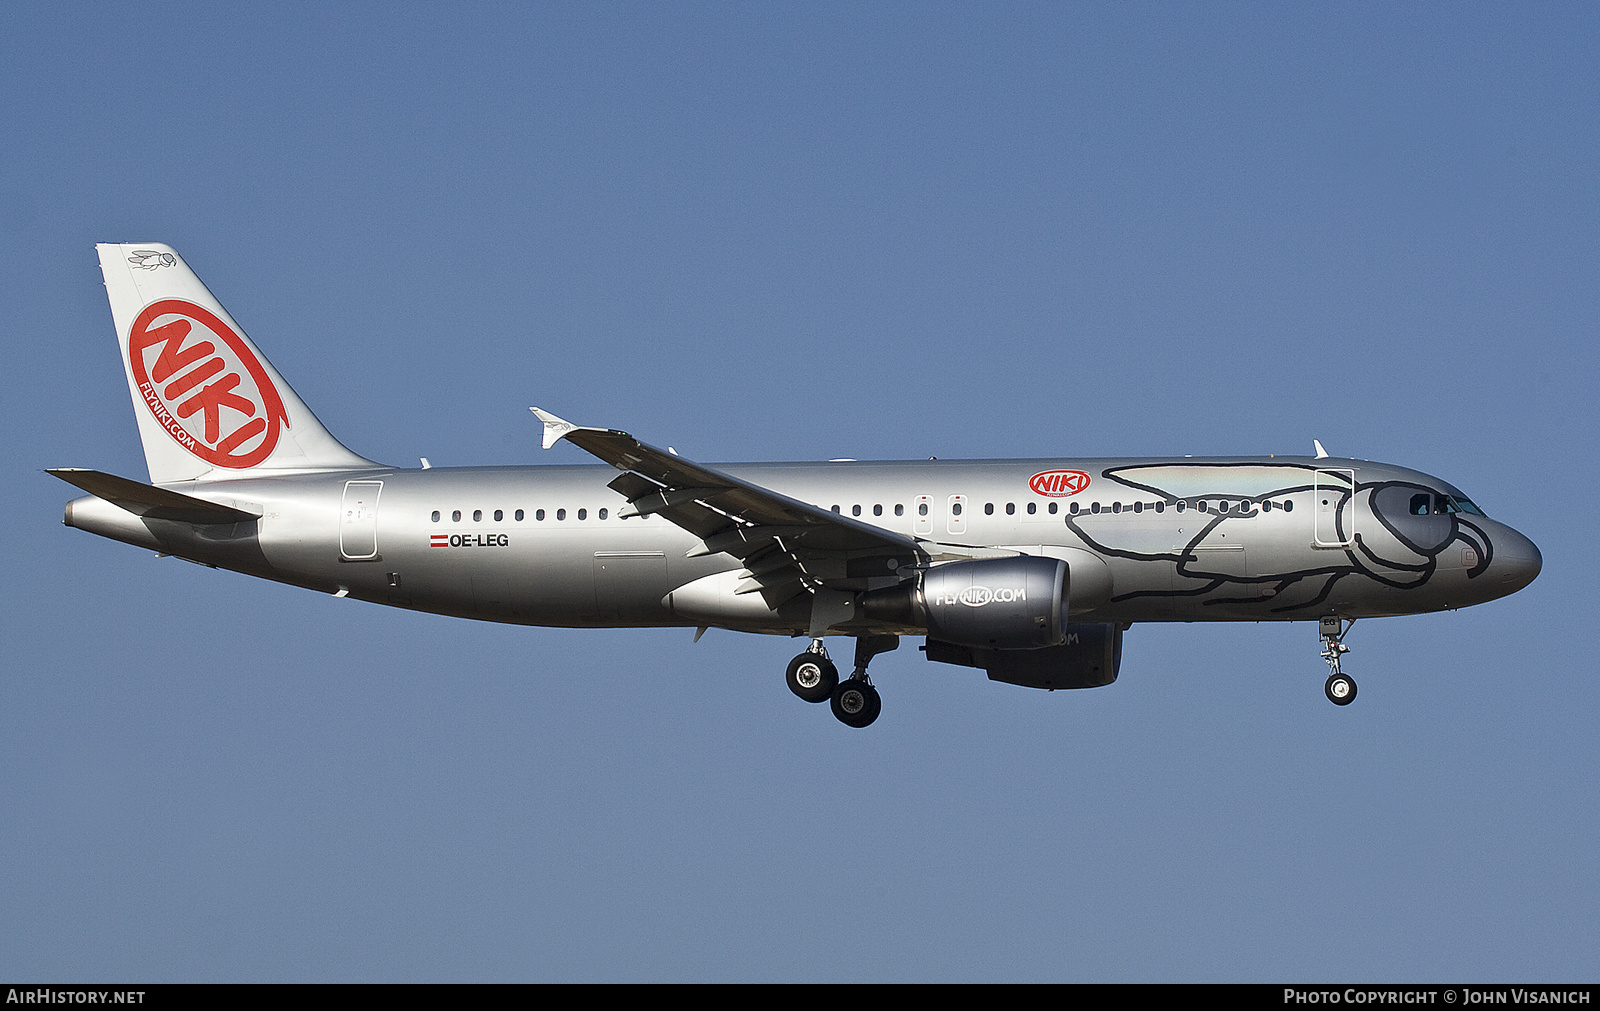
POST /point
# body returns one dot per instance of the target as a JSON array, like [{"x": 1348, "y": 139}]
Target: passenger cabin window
[{"x": 899, "y": 510}]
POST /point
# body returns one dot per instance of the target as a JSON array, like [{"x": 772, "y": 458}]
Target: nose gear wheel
[{"x": 1340, "y": 689}]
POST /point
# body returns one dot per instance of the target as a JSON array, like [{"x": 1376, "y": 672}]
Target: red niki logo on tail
[
  {"x": 1059, "y": 483},
  {"x": 207, "y": 388}
]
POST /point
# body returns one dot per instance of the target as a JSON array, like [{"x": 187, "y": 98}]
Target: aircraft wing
[{"x": 788, "y": 546}]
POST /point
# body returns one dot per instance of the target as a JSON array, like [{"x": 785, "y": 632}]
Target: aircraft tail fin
[{"x": 209, "y": 405}]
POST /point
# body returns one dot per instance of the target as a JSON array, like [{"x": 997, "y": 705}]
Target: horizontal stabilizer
[{"x": 150, "y": 501}]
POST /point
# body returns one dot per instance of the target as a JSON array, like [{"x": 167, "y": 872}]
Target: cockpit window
[{"x": 1442, "y": 505}]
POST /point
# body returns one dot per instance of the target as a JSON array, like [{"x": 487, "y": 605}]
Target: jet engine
[
  {"x": 1089, "y": 658},
  {"x": 989, "y": 603}
]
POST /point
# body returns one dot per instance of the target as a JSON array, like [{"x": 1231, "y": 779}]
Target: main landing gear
[
  {"x": 1341, "y": 687},
  {"x": 814, "y": 678},
  {"x": 811, "y": 675}
]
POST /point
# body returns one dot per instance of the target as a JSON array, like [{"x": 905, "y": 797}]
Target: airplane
[{"x": 1030, "y": 570}]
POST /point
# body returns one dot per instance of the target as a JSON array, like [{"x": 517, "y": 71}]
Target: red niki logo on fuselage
[
  {"x": 1059, "y": 483},
  {"x": 204, "y": 385}
]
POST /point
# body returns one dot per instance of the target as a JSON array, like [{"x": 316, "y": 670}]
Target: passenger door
[
  {"x": 358, "y": 521},
  {"x": 1333, "y": 508}
]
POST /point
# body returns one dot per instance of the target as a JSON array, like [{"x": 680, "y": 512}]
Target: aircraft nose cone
[{"x": 1516, "y": 561}]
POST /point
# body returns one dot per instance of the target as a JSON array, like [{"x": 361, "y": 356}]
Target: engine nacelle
[
  {"x": 1089, "y": 658},
  {"x": 989, "y": 603}
]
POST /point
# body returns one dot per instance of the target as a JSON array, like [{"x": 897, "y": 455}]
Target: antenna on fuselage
[{"x": 1322, "y": 454}]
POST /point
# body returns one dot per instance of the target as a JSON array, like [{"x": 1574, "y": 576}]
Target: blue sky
[{"x": 804, "y": 232}]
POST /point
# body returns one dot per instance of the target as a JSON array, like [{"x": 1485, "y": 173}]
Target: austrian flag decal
[
  {"x": 204, "y": 385},
  {"x": 1059, "y": 483}
]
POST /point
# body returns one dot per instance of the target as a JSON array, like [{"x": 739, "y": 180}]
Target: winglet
[
  {"x": 1322, "y": 454},
  {"x": 554, "y": 427}
]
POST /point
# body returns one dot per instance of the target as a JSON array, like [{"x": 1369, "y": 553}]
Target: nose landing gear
[{"x": 1340, "y": 687}]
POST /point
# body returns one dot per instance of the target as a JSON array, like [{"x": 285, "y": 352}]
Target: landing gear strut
[
  {"x": 814, "y": 678},
  {"x": 1341, "y": 687}
]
